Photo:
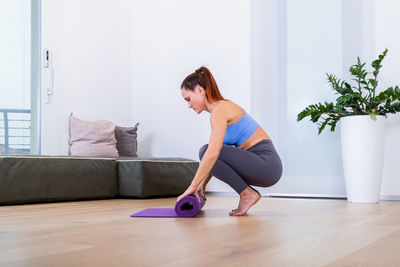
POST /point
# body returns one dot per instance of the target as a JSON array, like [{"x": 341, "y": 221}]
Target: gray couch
[{"x": 33, "y": 179}]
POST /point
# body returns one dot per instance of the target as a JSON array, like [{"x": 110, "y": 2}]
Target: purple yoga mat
[{"x": 188, "y": 206}]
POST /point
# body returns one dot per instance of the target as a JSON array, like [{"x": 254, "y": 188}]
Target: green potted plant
[{"x": 362, "y": 113}]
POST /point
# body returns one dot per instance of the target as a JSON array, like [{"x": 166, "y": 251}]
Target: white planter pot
[{"x": 362, "y": 142}]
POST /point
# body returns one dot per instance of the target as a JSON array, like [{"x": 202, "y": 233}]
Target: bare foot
[{"x": 248, "y": 198}]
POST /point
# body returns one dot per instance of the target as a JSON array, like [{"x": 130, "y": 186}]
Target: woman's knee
[{"x": 202, "y": 151}]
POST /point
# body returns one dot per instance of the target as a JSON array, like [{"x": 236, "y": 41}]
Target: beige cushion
[{"x": 92, "y": 138}]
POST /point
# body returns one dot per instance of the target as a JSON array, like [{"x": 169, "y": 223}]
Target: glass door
[{"x": 20, "y": 77}]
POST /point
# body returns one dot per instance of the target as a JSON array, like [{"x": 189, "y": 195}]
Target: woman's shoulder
[
  {"x": 225, "y": 106},
  {"x": 231, "y": 110}
]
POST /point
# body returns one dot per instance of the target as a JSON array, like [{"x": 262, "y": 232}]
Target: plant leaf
[{"x": 357, "y": 98}]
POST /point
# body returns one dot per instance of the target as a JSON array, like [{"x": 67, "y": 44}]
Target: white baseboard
[
  {"x": 296, "y": 187},
  {"x": 216, "y": 193},
  {"x": 390, "y": 197}
]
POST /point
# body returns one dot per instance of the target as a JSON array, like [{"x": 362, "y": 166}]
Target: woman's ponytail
[{"x": 205, "y": 79}]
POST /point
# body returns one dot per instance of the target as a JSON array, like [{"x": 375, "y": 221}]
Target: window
[{"x": 20, "y": 74}]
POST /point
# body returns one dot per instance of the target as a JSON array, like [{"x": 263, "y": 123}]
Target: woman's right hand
[{"x": 191, "y": 190}]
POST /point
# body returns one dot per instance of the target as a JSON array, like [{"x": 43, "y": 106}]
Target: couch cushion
[
  {"x": 92, "y": 138},
  {"x": 25, "y": 179},
  {"x": 154, "y": 177},
  {"x": 126, "y": 140}
]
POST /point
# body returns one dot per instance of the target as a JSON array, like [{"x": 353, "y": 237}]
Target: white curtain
[{"x": 297, "y": 43}]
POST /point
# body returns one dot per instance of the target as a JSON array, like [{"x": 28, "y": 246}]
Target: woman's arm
[
  {"x": 201, "y": 188},
  {"x": 205, "y": 182},
  {"x": 218, "y": 124}
]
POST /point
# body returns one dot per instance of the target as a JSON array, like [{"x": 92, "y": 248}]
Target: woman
[{"x": 240, "y": 153}]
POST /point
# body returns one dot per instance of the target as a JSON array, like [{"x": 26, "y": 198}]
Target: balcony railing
[{"x": 15, "y": 131}]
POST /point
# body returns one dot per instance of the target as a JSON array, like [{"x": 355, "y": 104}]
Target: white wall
[
  {"x": 345, "y": 30},
  {"x": 90, "y": 44},
  {"x": 15, "y": 54},
  {"x": 387, "y": 35},
  {"x": 269, "y": 63},
  {"x": 125, "y": 60},
  {"x": 168, "y": 43}
]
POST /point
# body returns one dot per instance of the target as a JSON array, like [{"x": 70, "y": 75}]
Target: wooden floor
[{"x": 276, "y": 232}]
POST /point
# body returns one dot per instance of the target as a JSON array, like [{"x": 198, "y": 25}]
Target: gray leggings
[{"x": 260, "y": 165}]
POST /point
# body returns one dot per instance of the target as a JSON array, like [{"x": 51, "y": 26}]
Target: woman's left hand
[{"x": 190, "y": 191}]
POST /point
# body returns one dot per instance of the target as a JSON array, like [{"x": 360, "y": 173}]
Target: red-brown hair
[{"x": 205, "y": 79}]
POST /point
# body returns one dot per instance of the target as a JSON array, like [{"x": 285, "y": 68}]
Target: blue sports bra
[{"x": 240, "y": 131}]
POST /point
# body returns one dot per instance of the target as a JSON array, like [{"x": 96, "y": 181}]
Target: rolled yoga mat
[{"x": 188, "y": 206}]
